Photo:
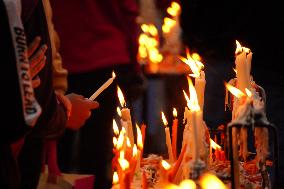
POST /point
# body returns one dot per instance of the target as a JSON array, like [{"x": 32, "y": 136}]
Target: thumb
[{"x": 92, "y": 104}]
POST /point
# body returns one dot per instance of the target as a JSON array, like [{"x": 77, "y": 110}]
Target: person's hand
[
  {"x": 81, "y": 110},
  {"x": 37, "y": 59}
]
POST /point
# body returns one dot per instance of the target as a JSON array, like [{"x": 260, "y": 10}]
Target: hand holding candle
[{"x": 103, "y": 87}]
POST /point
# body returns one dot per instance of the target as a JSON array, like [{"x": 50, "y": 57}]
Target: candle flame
[
  {"x": 120, "y": 139},
  {"x": 128, "y": 143},
  {"x": 165, "y": 165},
  {"x": 235, "y": 70},
  {"x": 186, "y": 98},
  {"x": 139, "y": 138},
  {"x": 124, "y": 164},
  {"x": 115, "y": 178},
  {"x": 193, "y": 103},
  {"x": 115, "y": 127},
  {"x": 187, "y": 184},
  {"x": 171, "y": 186},
  {"x": 209, "y": 181},
  {"x": 118, "y": 111},
  {"x": 193, "y": 62},
  {"x": 168, "y": 24},
  {"x": 175, "y": 112},
  {"x": 113, "y": 74},
  {"x": 145, "y": 28},
  {"x": 196, "y": 57},
  {"x": 153, "y": 30},
  {"x": 248, "y": 92},
  {"x": 235, "y": 91},
  {"x": 120, "y": 97},
  {"x": 134, "y": 151},
  {"x": 114, "y": 140},
  {"x": 155, "y": 56},
  {"x": 239, "y": 48},
  {"x": 142, "y": 50},
  {"x": 164, "y": 119},
  {"x": 214, "y": 145},
  {"x": 174, "y": 9}
]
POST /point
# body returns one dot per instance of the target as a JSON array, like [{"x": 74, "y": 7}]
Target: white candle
[
  {"x": 103, "y": 87},
  {"x": 200, "y": 88},
  {"x": 168, "y": 138}
]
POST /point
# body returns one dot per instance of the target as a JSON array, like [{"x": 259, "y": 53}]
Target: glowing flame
[
  {"x": 171, "y": 186},
  {"x": 193, "y": 104},
  {"x": 235, "y": 70},
  {"x": 115, "y": 127},
  {"x": 114, "y": 140},
  {"x": 118, "y": 111},
  {"x": 164, "y": 119},
  {"x": 175, "y": 112},
  {"x": 134, "y": 151},
  {"x": 145, "y": 28},
  {"x": 113, "y": 74},
  {"x": 186, "y": 98},
  {"x": 153, "y": 30},
  {"x": 115, "y": 178},
  {"x": 168, "y": 24},
  {"x": 187, "y": 184},
  {"x": 120, "y": 139},
  {"x": 155, "y": 56},
  {"x": 143, "y": 39},
  {"x": 214, "y": 145},
  {"x": 165, "y": 165},
  {"x": 194, "y": 64},
  {"x": 139, "y": 138},
  {"x": 142, "y": 50},
  {"x": 124, "y": 164},
  {"x": 209, "y": 181},
  {"x": 128, "y": 143},
  {"x": 121, "y": 154},
  {"x": 120, "y": 97},
  {"x": 239, "y": 48},
  {"x": 235, "y": 91},
  {"x": 249, "y": 93},
  {"x": 196, "y": 57},
  {"x": 173, "y": 9}
]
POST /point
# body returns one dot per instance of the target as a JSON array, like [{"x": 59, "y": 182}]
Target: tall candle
[
  {"x": 174, "y": 133},
  {"x": 200, "y": 83},
  {"x": 103, "y": 87},
  {"x": 168, "y": 138}
]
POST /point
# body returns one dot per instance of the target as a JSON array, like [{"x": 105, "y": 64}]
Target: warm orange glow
[
  {"x": 168, "y": 24},
  {"x": 118, "y": 111},
  {"x": 153, "y": 30},
  {"x": 235, "y": 70},
  {"x": 235, "y": 91},
  {"x": 214, "y": 145},
  {"x": 171, "y": 186},
  {"x": 249, "y": 93},
  {"x": 165, "y": 165},
  {"x": 143, "y": 39},
  {"x": 247, "y": 50},
  {"x": 134, "y": 151},
  {"x": 114, "y": 140},
  {"x": 124, "y": 164},
  {"x": 164, "y": 119},
  {"x": 239, "y": 48},
  {"x": 128, "y": 143},
  {"x": 139, "y": 138},
  {"x": 175, "y": 112},
  {"x": 115, "y": 178},
  {"x": 120, "y": 97},
  {"x": 145, "y": 28},
  {"x": 175, "y": 5},
  {"x": 121, "y": 154},
  {"x": 193, "y": 105},
  {"x": 113, "y": 75},
  {"x": 142, "y": 50},
  {"x": 187, "y": 184},
  {"x": 115, "y": 127},
  {"x": 155, "y": 56},
  {"x": 174, "y": 9},
  {"x": 194, "y": 64},
  {"x": 120, "y": 139},
  {"x": 196, "y": 57},
  {"x": 209, "y": 181}
]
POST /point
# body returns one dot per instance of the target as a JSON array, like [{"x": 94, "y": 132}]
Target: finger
[
  {"x": 34, "y": 45},
  {"x": 36, "y": 82},
  {"x": 38, "y": 56},
  {"x": 92, "y": 104},
  {"x": 37, "y": 68}
]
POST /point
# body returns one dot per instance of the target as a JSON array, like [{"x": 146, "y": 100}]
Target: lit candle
[
  {"x": 140, "y": 148},
  {"x": 143, "y": 133},
  {"x": 103, "y": 87},
  {"x": 168, "y": 138},
  {"x": 125, "y": 115},
  {"x": 165, "y": 171},
  {"x": 174, "y": 133},
  {"x": 115, "y": 181}
]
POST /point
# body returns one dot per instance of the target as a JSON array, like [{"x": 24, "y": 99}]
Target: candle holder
[{"x": 255, "y": 120}]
